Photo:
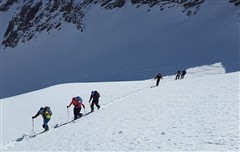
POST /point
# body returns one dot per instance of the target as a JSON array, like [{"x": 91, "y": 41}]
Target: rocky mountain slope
[
  {"x": 42, "y": 42},
  {"x": 34, "y": 16}
]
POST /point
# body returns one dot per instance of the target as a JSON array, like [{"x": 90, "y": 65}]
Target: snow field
[{"x": 193, "y": 114}]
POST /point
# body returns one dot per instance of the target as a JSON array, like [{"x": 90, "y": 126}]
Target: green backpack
[{"x": 47, "y": 112}]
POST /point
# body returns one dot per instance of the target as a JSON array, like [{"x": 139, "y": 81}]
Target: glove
[{"x": 32, "y": 117}]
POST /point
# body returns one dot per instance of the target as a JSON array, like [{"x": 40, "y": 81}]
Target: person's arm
[
  {"x": 83, "y": 105},
  {"x": 90, "y": 98},
  {"x": 36, "y": 115},
  {"x": 69, "y": 105}
]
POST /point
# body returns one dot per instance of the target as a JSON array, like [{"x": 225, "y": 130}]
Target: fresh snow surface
[{"x": 200, "y": 112}]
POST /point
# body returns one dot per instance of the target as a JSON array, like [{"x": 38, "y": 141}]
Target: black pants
[
  {"x": 94, "y": 102},
  {"x": 182, "y": 76},
  {"x": 45, "y": 124},
  {"x": 76, "y": 112},
  {"x": 177, "y": 76},
  {"x": 158, "y": 80}
]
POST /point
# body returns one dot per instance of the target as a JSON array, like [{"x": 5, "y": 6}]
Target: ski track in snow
[
  {"x": 26, "y": 137},
  {"x": 203, "y": 117}
]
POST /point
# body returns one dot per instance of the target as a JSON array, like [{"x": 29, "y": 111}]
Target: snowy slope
[
  {"x": 123, "y": 44},
  {"x": 200, "y": 112}
]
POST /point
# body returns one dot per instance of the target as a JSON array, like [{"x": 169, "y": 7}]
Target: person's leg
[
  {"x": 97, "y": 104},
  {"x": 45, "y": 124},
  {"x": 92, "y": 106},
  {"x": 183, "y": 75},
  {"x": 75, "y": 112},
  {"x": 79, "y": 114}
]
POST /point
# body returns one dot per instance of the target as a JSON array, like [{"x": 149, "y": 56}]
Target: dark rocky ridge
[{"x": 35, "y": 16}]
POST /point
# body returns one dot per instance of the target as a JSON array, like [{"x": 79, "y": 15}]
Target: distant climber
[
  {"x": 178, "y": 73},
  {"x": 46, "y": 114},
  {"x": 95, "y": 99},
  {"x": 183, "y": 74},
  {"x": 158, "y": 77},
  {"x": 77, "y": 103}
]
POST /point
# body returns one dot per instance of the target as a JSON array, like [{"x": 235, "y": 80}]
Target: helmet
[
  {"x": 92, "y": 93},
  {"x": 74, "y": 98}
]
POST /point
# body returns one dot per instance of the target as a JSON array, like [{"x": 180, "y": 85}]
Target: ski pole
[
  {"x": 33, "y": 125},
  {"x": 68, "y": 113},
  {"x": 153, "y": 82}
]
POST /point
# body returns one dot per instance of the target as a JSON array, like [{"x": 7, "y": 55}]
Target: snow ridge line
[{"x": 127, "y": 96}]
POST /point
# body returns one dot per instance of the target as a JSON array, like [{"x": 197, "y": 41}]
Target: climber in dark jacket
[
  {"x": 183, "y": 74},
  {"x": 158, "y": 77},
  {"x": 95, "y": 99},
  {"x": 46, "y": 114},
  {"x": 178, "y": 73}
]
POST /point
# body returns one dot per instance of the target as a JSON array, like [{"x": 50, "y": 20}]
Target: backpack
[
  {"x": 47, "y": 112},
  {"x": 79, "y": 99},
  {"x": 96, "y": 94}
]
